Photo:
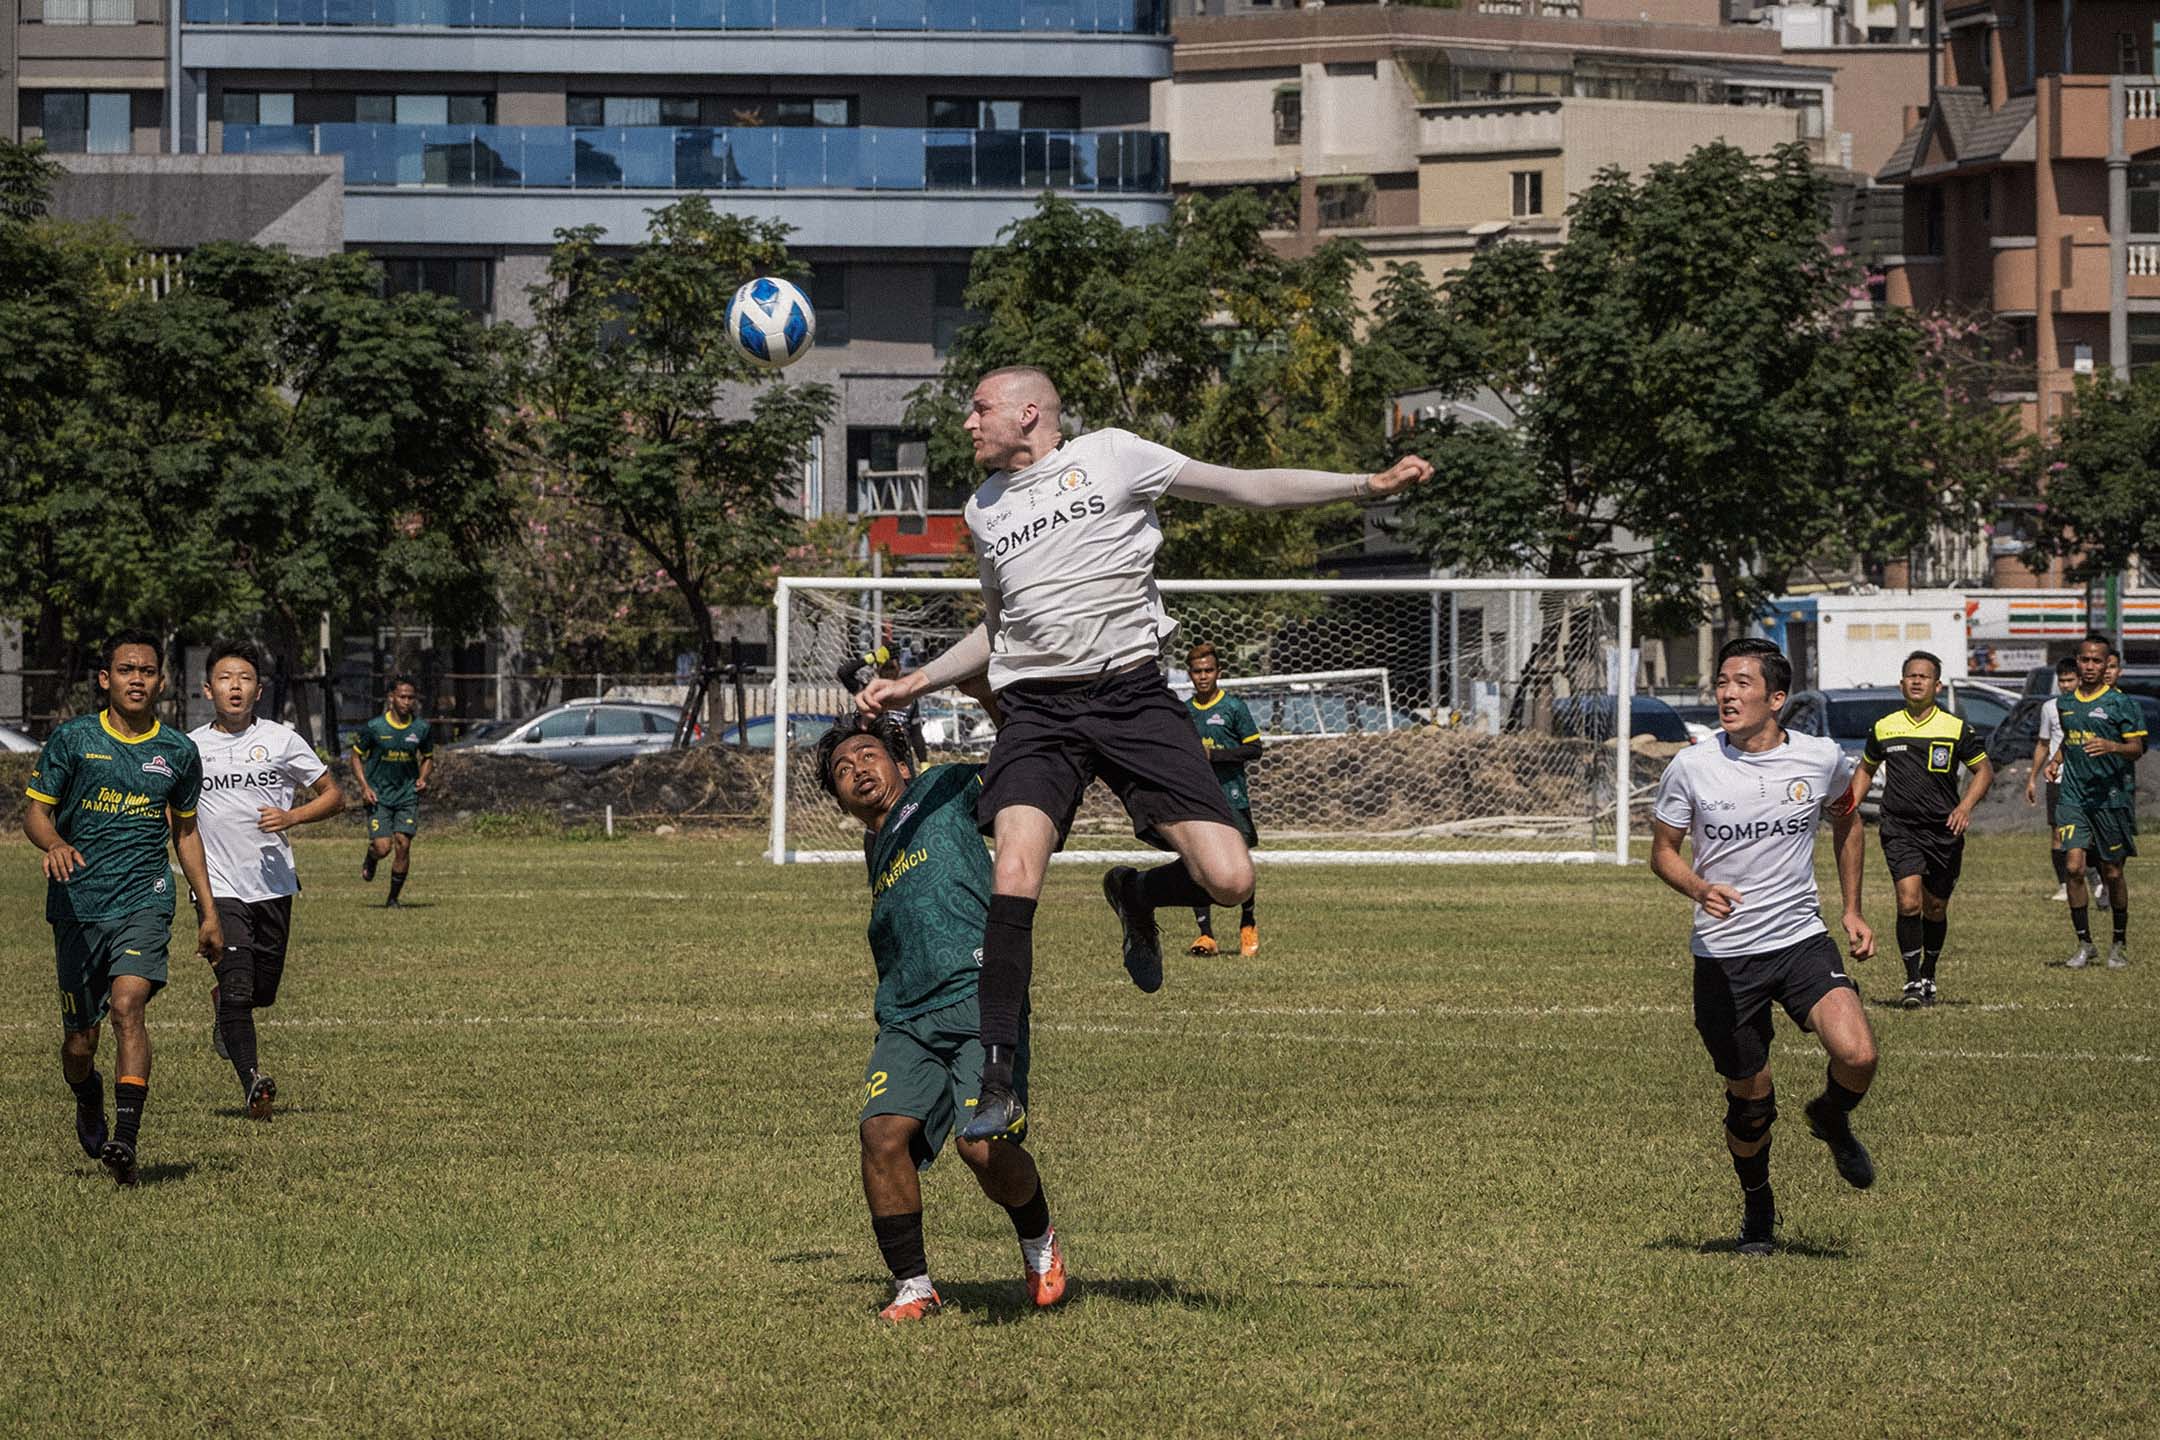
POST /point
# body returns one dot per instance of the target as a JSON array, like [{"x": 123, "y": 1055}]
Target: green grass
[{"x": 568, "y": 1147}]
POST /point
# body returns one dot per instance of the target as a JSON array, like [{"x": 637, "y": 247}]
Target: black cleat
[
  {"x": 90, "y": 1121},
  {"x": 1915, "y": 995},
  {"x": 119, "y": 1157},
  {"x": 262, "y": 1092},
  {"x": 1758, "y": 1231},
  {"x": 1143, "y": 945},
  {"x": 392, "y": 905},
  {"x": 999, "y": 1115},
  {"x": 367, "y": 867},
  {"x": 1834, "y": 1128}
]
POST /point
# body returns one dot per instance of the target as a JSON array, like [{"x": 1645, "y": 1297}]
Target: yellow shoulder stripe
[{"x": 1248, "y": 739}]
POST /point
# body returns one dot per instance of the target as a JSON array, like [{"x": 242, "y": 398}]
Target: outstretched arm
[
  {"x": 964, "y": 661},
  {"x": 1290, "y": 489}
]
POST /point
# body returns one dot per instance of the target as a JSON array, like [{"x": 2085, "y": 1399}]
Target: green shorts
[
  {"x": 930, "y": 1069},
  {"x": 88, "y": 953},
  {"x": 402, "y": 818},
  {"x": 2109, "y": 836}
]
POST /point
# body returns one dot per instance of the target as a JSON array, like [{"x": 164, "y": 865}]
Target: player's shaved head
[{"x": 1014, "y": 417}]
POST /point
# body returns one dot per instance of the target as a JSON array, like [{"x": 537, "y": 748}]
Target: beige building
[
  {"x": 2032, "y": 196},
  {"x": 88, "y": 76},
  {"x": 1425, "y": 133}
]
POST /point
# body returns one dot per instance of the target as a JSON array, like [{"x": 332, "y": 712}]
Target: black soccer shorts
[
  {"x": 254, "y": 963},
  {"x": 1733, "y": 994},
  {"x": 1932, "y": 853},
  {"x": 1125, "y": 727}
]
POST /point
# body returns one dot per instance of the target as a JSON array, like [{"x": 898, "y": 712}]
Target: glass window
[
  {"x": 828, "y": 296},
  {"x": 630, "y": 110},
  {"x": 679, "y": 110},
  {"x": 375, "y": 109},
  {"x": 1054, "y": 113},
  {"x": 1529, "y": 192},
  {"x": 2144, "y": 341},
  {"x": 835, "y": 112},
  {"x": 276, "y": 109},
  {"x": 2145, "y": 199},
  {"x": 584, "y": 110},
  {"x": 239, "y": 107},
  {"x": 1345, "y": 204},
  {"x": 947, "y": 113},
  {"x": 618, "y": 720},
  {"x": 423, "y": 109},
  {"x": 469, "y": 109},
  {"x": 1289, "y": 115},
  {"x": 67, "y": 12},
  {"x": 248, "y": 107},
  {"x": 64, "y": 115},
  {"x": 470, "y": 282},
  {"x": 949, "y": 314},
  {"x": 112, "y": 129},
  {"x": 565, "y": 725}
]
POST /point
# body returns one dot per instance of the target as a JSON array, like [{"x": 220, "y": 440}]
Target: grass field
[{"x": 567, "y": 1148}]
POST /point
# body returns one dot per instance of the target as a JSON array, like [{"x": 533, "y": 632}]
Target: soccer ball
[{"x": 771, "y": 323}]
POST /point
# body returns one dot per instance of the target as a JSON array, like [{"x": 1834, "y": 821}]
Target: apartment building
[
  {"x": 1425, "y": 133},
  {"x": 2032, "y": 196},
  {"x": 894, "y": 136}
]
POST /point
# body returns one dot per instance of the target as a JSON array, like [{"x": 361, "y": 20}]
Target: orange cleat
[
  {"x": 1047, "y": 1286},
  {"x": 1205, "y": 945},
  {"x": 1248, "y": 940},
  {"x": 920, "y": 1308}
]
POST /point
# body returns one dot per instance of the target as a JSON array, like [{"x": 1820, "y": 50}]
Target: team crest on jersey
[
  {"x": 1799, "y": 792},
  {"x": 259, "y": 753},
  {"x": 1938, "y": 757},
  {"x": 1073, "y": 479},
  {"x": 156, "y": 765},
  {"x": 906, "y": 810},
  {"x": 159, "y": 887}
]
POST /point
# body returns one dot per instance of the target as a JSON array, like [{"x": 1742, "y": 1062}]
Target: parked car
[
  {"x": 1701, "y": 720},
  {"x": 584, "y": 734},
  {"x": 2136, "y": 680},
  {"x": 803, "y": 732},
  {"x": 1848, "y": 716},
  {"x": 1590, "y": 717},
  {"x": 15, "y": 742}
]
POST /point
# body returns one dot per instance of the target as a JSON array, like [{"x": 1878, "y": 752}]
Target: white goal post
[{"x": 1403, "y": 721}]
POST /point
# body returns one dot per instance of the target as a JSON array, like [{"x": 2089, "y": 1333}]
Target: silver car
[{"x": 585, "y": 734}]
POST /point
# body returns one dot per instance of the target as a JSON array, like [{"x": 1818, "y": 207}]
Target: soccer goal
[{"x": 1421, "y": 721}]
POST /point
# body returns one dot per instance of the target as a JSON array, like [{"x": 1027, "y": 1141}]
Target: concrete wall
[
  {"x": 1636, "y": 134},
  {"x": 1657, "y": 12},
  {"x": 1222, "y": 127},
  {"x": 1874, "y": 85},
  {"x": 176, "y": 202}
]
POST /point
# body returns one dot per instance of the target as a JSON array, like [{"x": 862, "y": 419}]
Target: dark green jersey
[
  {"x": 1224, "y": 724},
  {"x": 391, "y": 754},
  {"x": 109, "y": 799},
  {"x": 929, "y": 895},
  {"x": 1920, "y": 761},
  {"x": 2098, "y": 782}
]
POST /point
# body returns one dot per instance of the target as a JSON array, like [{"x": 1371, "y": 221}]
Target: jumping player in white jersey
[
  {"x": 253, "y": 771},
  {"x": 1750, "y": 804},
  {"x": 1065, "y": 536}
]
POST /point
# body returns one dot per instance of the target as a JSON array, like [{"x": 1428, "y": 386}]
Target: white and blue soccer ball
[{"x": 771, "y": 323}]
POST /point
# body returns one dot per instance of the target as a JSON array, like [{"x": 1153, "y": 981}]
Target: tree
[
  {"x": 1693, "y": 389},
  {"x": 1194, "y": 333},
  {"x": 636, "y": 404},
  {"x": 2101, "y": 508}
]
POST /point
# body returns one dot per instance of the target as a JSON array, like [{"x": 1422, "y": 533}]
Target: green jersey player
[
  {"x": 1231, "y": 738},
  {"x": 2096, "y": 815},
  {"x": 929, "y": 891},
  {"x": 392, "y": 756},
  {"x": 108, "y": 789}
]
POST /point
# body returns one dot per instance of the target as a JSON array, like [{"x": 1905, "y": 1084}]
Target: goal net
[{"x": 1429, "y": 721}]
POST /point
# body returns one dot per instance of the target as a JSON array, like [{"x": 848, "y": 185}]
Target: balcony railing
[
  {"x": 1085, "y": 17},
  {"x": 2141, "y": 101},
  {"x": 656, "y": 157},
  {"x": 2144, "y": 258}
]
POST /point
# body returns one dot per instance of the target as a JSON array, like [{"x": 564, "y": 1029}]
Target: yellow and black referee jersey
[{"x": 1920, "y": 760}]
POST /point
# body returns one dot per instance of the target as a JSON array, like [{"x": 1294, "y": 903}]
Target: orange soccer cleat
[
  {"x": 1204, "y": 945},
  {"x": 1248, "y": 939},
  {"x": 922, "y": 1307},
  {"x": 1046, "y": 1286}
]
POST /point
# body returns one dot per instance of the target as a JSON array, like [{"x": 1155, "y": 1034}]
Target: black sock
[
  {"x": 1205, "y": 914},
  {"x": 1934, "y": 933},
  {"x": 1908, "y": 944},
  {"x": 899, "y": 1240},
  {"x": 397, "y": 882},
  {"x": 1841, "y": 1099},
  {"x": 129, "y": 1097},
  {"x": 1171, "y": 885},
  {"x": 236, "y": 1024},
  {"x": 2062, "y": 867},
  {"x": 90, "y": 1090},
  {"x": 1245, "y": 914},
  {"x": 1008, "y": 964},
  {"x": 1754, "y": 1173},
  {"x": 2121, "y": 913},
  {"x": 2080, "y": 921},
  {"x": 1031, "y": 1221}
]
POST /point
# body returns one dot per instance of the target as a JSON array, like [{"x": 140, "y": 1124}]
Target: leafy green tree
[
  {"x": 1195, "y": 334},
  {"x": 2102, "y": 502},
  {"x": 633, "y": 400},
  {"x": 1693, "y": 390}
]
